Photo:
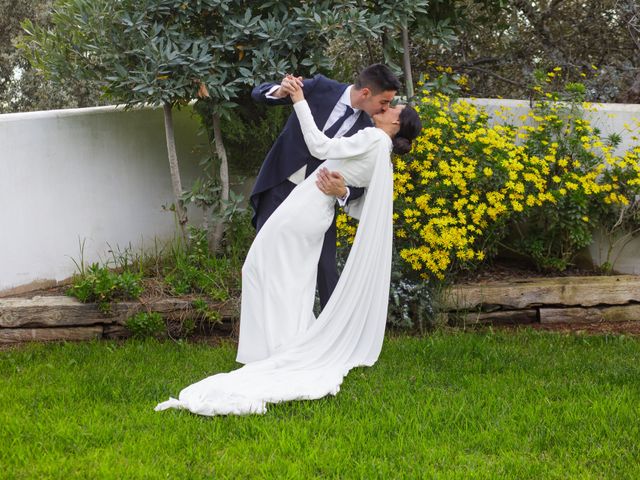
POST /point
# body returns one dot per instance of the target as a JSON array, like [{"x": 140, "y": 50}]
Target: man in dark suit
[{"x": 339, "y": 110}]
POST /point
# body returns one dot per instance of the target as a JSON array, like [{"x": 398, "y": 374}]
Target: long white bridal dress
[{"x": 290, "y": 354}]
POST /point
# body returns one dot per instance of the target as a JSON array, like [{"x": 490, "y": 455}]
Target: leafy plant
[
  {"x": 205, "y": 312},
  {"x": 194, "y": 270},
  {"x": 145, "y": 324},
  {"x": 411, "y": 303},
  {"x": 587, "y": 185},
  {"x": 101, "y": 285}
]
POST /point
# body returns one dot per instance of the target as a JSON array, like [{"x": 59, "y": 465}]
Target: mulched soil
[{"x": 504, "y": 271}]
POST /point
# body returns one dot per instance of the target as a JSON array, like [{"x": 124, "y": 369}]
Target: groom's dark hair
[{"x": 378, "y": 78}]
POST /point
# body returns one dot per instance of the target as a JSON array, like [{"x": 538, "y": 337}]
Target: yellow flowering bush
[
  {"x": 470, "y": 178},
  {"x": 456, "y": 191},
  {"x": 619, "y": 214},
  {"x": 586, "y": 183}
]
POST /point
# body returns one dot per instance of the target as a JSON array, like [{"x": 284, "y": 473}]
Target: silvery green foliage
[
  {"x": 159, "y": 51},
  {"x": 410, "y": 303},
  {"x": 22, "y": 88}
]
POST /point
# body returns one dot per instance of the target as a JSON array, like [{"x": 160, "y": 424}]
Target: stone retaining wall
[
  {"x": 548, "y": 300},
  {"x": 522, "y": 301},
  {"x": 44, "y": 318}
]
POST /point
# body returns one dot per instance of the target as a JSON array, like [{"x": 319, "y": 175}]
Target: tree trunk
[
  {"x": 176, "y": 183},
  {"x": 406, "y": 62},
  {"x": 218, "y": 229}
]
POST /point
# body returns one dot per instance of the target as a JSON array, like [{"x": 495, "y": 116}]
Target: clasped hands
[{"x": 290, "y": 86}]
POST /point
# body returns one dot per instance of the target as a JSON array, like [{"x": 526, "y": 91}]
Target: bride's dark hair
[{"x": 410, "y": 127}]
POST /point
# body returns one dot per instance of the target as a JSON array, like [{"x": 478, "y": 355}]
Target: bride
[{"x": 290, "y": 354}]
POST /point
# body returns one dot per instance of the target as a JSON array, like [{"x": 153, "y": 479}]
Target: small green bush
[
  {"x": 205, "y": 312},
  {"x": 146, "y": 324},
  {"x": 101, "y": 285},
  {"x": 194, "y": 270}
]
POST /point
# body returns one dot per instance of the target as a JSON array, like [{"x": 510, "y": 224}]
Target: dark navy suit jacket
[{"x": 289, "y": 152}]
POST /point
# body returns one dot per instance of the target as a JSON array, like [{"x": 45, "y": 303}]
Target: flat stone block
[
  {"x": 558, "y": 291},
  {"x": 61, "y": 311},
  {"x": 621, "y": 313},
  {"x": 14, "y": 335},
  {"x": 502, "y": 317},
  {"x": 115, "y": 331},
  {"x": 55, "y": 311}
]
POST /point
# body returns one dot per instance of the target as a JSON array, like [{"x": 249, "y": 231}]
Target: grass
[{"x": 450, "y": 405}]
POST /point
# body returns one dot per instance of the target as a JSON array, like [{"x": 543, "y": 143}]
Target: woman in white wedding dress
[{"x": 290, "y": 354}]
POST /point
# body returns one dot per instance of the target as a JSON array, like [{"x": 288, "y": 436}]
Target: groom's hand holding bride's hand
[
  {"x": 287, "y": 86},
  {"x": 331, "y": 183},
  {"x": 295, "y": 88}
]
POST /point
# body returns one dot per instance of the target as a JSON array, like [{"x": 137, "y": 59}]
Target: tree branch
[
  {"x": 537, "y": 21},
  {"x": 478, "y": 61},
  {"x": 493, "y": 74}
]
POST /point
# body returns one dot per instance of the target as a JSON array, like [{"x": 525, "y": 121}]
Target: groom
[{"x": 339, "y": 110}]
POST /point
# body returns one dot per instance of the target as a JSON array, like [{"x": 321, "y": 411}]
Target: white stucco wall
[
  {"x": 98, "y": 175},
  {"x": 608, "y": 117}
]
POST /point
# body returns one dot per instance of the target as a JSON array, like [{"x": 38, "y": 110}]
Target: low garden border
[
  {"x": 519, "y": 301},
  {"x": 547, "y": 300},
  {"x": 46, "y": 318}
]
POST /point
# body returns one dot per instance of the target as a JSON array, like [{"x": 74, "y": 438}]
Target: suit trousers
[{"x": 327, "y": 268}]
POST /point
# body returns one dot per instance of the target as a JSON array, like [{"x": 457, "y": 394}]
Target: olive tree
[
  {"x": 168, "y": 52},
  {"x": 137, "y": 52}
]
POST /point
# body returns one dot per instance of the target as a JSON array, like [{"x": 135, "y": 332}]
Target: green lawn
[{"x": 450, "y": 405}]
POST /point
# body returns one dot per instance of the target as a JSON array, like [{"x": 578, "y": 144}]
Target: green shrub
[
  {"x": 472, "y": 177},
  {"x": 205, "y": 312},
  {"x": 146, "y": 324},
  {"x": 586, "y": 183},
  {"x": 193, "y": 270},
  {"x": 101, "y": 285}
]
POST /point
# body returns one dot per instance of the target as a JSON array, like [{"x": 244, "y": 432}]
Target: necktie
[{"x": 333, "y": 129}]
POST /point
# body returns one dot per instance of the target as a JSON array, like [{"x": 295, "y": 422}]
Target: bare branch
[
  {"x": 493, "y": 74},
  {"x": 479, "y": 61}
]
